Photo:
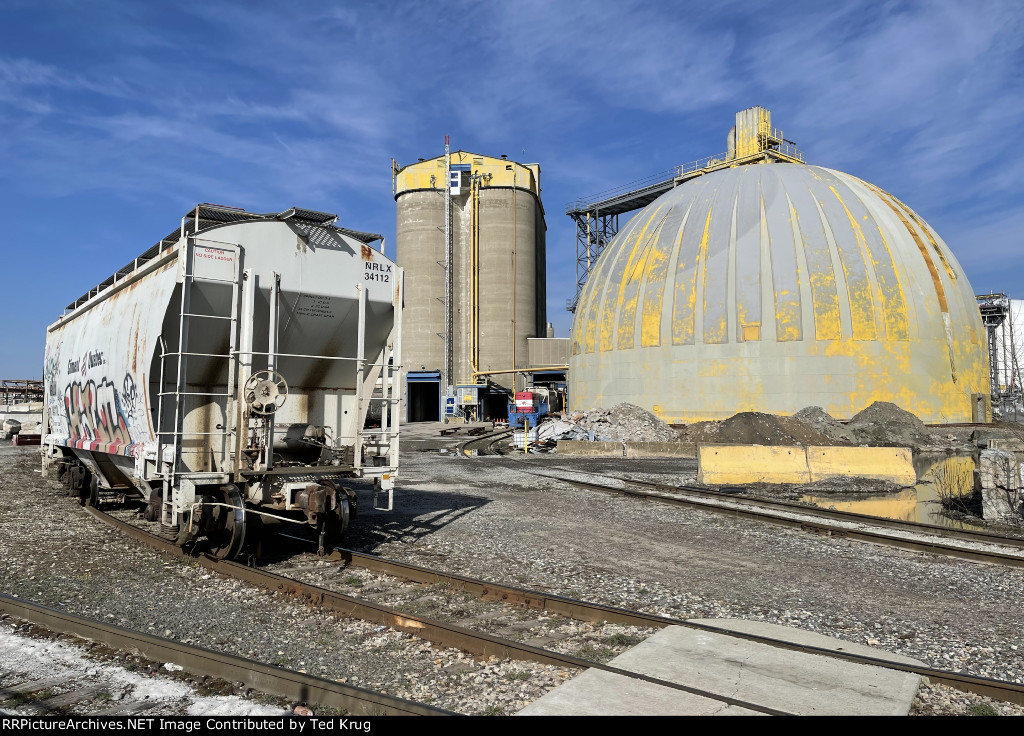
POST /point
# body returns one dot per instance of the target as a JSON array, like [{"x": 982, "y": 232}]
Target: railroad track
[
  {"x": 990, "y": 548},
  {"x": 481, "y": 644},
  {"x": 487, "y": 444},
  {"x": 264, "y": 678},
  {"x": 442, "y": 633}
]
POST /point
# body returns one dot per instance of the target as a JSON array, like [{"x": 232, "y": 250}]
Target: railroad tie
[
  {"x": 129, "y": 709},
  {"x": 34, "y": 686},
  {"x": 57, "y": 702}
]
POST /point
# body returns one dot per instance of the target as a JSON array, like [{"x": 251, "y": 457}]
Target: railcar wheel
[
  {"x": 221, "y": 519},
  {"x": 333, "y": 523},
  {"x": 224, "y": 525}
]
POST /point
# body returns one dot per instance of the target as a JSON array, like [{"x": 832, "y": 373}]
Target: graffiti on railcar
[
  {"x": 97, "y": 412},
  {"x": 54, "y": 397}
]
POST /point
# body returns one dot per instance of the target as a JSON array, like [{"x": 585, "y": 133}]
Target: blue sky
[{"x": 117, "y": 117}]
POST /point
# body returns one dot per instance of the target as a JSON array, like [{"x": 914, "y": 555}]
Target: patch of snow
[
  {"x": 229, "y": 705},
  {"x": 38, "y": 659}
]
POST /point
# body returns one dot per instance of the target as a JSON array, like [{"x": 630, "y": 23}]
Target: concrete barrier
[
  {"x": 590, "y": 449},
  {"x": 894, "y": 464},
  {"x": 998, "y": 477},
  {"x": 738, "y": 464},
  {"x": 660, "y": 449}
]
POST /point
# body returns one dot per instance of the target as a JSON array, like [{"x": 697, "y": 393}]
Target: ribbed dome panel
[{"x": 772, "y": 287}]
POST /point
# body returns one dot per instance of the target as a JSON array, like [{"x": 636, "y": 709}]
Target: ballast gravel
[{"x": 486, "y": 518}]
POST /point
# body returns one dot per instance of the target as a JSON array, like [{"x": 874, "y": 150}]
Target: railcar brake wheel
[{"x": 265, "y": 392}]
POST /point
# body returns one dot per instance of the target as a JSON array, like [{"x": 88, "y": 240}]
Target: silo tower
[{"x": 471, "y": 236}]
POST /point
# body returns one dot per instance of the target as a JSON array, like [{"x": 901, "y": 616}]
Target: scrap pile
[{"x": 621, "y": 423}]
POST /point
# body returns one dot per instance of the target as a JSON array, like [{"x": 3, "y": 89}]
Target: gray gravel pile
[
  {"x": 887, "y": 425},
  {"x": 758, "y": 428},
  {"x": 823, "y": 422},
  {"x": 881, "y": 424},
  {"x": 624, "y": 423}
]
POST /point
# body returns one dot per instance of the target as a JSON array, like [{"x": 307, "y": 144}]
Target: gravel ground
[{"x": 484, "y": 518}]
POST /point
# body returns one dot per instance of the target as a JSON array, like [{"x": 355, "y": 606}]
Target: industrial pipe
[
  {"x": 531, "y": 369},
  {"x": 515, "y": 294}
]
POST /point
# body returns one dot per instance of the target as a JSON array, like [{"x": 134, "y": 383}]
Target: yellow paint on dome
[
  {"x": 685, "y": 306},
  {"x": 862, "y": 306},
  {"x": 657, "y": 276},
  {"x": 629, "y": 289},
  {"x": 824, "y": 298},
  {"x": 891, "y": 295}
]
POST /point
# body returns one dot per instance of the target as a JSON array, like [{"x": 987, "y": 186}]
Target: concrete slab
[
  {"x": 600, "y": 693},
  {"x": 771, "y": 677},
  {"x": 807, "y": 638}
]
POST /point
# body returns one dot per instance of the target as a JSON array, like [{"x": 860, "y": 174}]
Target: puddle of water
[{"x": 920, "y": 503}]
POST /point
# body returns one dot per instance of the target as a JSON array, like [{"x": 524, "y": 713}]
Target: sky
[{"x": 118, "y": 117}]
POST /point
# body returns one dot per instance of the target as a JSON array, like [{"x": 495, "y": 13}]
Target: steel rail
[
  {"x": 965, "y": 535},
  {"x": 747, "y": 508},
  {"x": 439, "y": 632},
  {"x": 199, "y": 661}
]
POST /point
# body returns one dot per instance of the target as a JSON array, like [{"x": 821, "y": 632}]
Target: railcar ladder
[{"x": 172, "y": 469}]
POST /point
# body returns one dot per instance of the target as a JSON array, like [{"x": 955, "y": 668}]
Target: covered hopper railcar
[{"x": 226, "y": 376}]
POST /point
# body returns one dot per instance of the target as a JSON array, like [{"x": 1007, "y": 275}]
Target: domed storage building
[{"x": 774, "y": 286}]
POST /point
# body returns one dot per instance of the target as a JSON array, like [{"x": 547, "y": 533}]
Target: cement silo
[
  {"x": 775, "y": 286},
  {"x": 486, "y": 259}
]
